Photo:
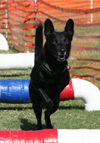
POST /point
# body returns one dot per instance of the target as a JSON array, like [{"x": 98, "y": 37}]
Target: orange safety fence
[
  {"x": 82, "y": 11},
  {"x": 19, "y": 19},
  {"x": 18, "y": 22}
]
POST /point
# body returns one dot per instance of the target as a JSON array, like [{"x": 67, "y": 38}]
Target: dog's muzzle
[{"x": 61, "y": 55}]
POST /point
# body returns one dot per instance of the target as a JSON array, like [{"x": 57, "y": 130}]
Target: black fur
[{"x": 50, "y": 75}]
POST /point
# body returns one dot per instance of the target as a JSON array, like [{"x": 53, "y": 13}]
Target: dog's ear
[
  {"x": 69, "y": 28},
  {"x": 48, "y": 27}
]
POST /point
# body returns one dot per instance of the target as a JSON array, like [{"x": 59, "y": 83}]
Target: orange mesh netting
[
  {"x": 85, "y": 46},
  {"x": 20, "y": 17}
]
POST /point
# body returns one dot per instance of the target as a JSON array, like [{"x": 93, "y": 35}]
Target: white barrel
[
  {"x": 78, "y": 136},
  {"x": 16, "y": 61},
  {"x": 88, "y": 92},
  {"x": 3, "y": 43}
]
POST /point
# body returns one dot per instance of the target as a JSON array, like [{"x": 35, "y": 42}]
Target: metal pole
[
  {"x": 91, "y": 6},
  {"x": 36, "y": 12},
  {"x": 6, "y": 16}
]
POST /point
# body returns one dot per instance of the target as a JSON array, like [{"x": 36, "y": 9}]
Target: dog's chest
[
  {"x": 54, "y": 82},
  {"x": 49, "y": 80}
]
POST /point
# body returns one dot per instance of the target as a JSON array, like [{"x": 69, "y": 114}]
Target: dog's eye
[
  {"x": 66, "y": 42},
  {"x": 54, "y": 42}
]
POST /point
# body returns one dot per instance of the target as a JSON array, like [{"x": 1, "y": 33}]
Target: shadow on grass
[
  {"x": 15, "y": 108},
  {"x": 71, "y": 107},
  {"x": 14, "y": 75},
  {"x": 27, "y": 125},
  {"x": 25, "y": 108}
]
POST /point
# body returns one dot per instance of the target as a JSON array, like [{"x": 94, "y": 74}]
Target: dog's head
[{"x": 59, "y": 43}]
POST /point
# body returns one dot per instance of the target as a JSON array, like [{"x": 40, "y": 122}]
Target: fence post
[
  {"x": 6, "y": 17},
  {"x": 91, "y": 7},
  {"x": 35, "y": 13}
]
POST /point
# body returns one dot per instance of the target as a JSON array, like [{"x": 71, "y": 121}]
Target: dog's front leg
[
  {"x": 46, "y": 102},
  {"x": 51, "y": 111},
  {"x": 36, "y": 105}
]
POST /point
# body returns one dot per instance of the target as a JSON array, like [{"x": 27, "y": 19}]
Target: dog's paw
[
  {"x": 47, "y": 105},
  {"x": 49, "y": 127},
  {"x": 39, "y": 127}
]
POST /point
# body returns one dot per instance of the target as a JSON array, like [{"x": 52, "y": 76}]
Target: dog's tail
[{"x": 38, "y": 42}]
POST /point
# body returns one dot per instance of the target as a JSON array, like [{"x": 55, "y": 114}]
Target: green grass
[{"x": 70, "y": 115}]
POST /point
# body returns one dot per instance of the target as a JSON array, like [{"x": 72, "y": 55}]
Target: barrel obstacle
[
  {"x": 51, "y": 136},
  {"x": 3, "y": 43},
  {"x": 16, "y": 61},
  {"x": 17, "y": 91}
]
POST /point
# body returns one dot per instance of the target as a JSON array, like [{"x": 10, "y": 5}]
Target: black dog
[{"x": 50, "y": 74}]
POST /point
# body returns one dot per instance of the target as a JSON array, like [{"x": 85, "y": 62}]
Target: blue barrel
[{"x": 14, "y": 91}]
